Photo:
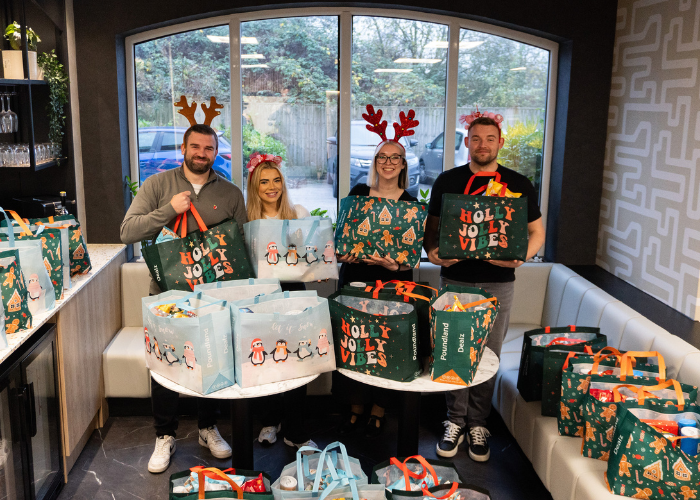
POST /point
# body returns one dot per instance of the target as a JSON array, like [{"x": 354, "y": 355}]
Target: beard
[
  {"x": 485, "y": 159},
  {"x": 197, "y": 168}
]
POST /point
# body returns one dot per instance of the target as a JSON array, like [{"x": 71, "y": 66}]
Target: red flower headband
[
  {"x": 257, "y": 158},
  {"x": 468, "y": 119},
  {"x": 379, "y": 127}
]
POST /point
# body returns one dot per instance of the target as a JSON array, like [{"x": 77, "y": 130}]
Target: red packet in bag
[{"x": 256, "y": 485}]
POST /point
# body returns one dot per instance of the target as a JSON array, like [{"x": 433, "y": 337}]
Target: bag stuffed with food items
[
  {"x": 375, "y": 336},
  {"x": 605, "y": 401},
  {"x": 654, "y": 453},
  {"x": 447, "y": 491},
  {"x": 216, "y": 483},
  {"x": 188, "y": 340},
  {"x": 77, "y": 248},
  {"x": 461, "y": 320},
  {"x": 414, "y": 473},
  {"x": 581, "y": 372}
]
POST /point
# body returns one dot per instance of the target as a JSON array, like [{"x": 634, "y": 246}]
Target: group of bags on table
[
  {"x": 247, "y": 332},
  {"x": 36, "y": 264},
  {"x": 330, "y": 474},
  {"x": 385, "y": 329}
]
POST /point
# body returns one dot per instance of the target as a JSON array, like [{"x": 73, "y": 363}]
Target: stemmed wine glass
[
  {"x": 10, "y": 121},
  {"x": 2, "y": 114}
]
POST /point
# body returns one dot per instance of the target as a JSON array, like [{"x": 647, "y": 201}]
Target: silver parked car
[{"x": 431, "y": 160}]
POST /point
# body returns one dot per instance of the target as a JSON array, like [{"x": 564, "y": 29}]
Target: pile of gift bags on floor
[
  {"x": 38, "y": 259},
  {"x": 330, "y": 474},
  {"x": 247, "y": 332}
]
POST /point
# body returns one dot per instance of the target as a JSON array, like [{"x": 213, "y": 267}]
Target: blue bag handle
[
  {"x": 307, "y": 471},
  {"x": 285, "y": 232},
  {"x": 346, "y": 463},
  {"x": 10, "y": 229}
]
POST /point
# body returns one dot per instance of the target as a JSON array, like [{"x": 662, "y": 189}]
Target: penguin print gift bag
[
  {"x": 292, "y": 250},
  {"x": 281, "y": 336},
  {"x": 376, "y": 336},
  {"x": 368, "y": 225},
  {"x": 187, "y": 340}
]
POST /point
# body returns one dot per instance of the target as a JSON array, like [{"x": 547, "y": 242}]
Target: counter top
[{"x": 100, "y": 256}]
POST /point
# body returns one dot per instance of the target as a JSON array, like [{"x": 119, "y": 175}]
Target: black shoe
[
  {"x": 453, "y": 437},
  {"x": 348, "y": 426},
  {"x": 371, "y": 429},
  {"x": 478, "y": 445}
]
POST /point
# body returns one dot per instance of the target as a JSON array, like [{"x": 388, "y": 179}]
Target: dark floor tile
[{"x": 113, "y": 464}]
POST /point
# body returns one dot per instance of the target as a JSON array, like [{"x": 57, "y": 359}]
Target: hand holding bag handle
[
  {"x": 201, "y": 473},
  {"x": 449, "y": 493}
]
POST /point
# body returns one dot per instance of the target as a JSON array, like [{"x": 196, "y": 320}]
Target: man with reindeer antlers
[
  {"x": 159, "y": 201},
  {"x": 467, "y": 409}
]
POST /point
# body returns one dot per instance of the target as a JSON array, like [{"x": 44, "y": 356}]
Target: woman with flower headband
[
  {"x": 267, "y": 198},
  {"x": 388, "y": 178}
]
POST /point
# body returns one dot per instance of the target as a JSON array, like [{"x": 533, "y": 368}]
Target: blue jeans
[{"x": 471, "y": 406}]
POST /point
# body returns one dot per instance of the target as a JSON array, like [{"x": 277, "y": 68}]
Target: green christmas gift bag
[
  {"x": 603, "y": 404},
  {"x": 77, "y": 248},
  {"x": 537, "y": 343},
  {"x": 14, "y": 292},
  {"x": 50, "y": 248},
  {"x": 577, "y": 377},
  {"x": 414, "y": 473},
  {"x": 418, "y": 294},
  {"x": 205, "y": 256},
  {"x": 375, "y": 336},
  {"x": 483, "y": 227},
  {"x": 378, "y": 226},
  {"x": 461, "y": 319},
  {"x": 210, "y": 482},
  {"x": 647, "y": 463}
]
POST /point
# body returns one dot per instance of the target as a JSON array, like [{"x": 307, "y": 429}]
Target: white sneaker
[
  {"x": 160, "y": 460},
  {"x": 269, "y": 434},
  {"x": 210, "y": 438},
  {"x": 310, "y": 443}
]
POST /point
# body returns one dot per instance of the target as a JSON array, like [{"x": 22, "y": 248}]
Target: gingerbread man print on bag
[
  {"x": 76, "y": 235},
  {"x": 411, "y": 213},
  {"x": 401, "y": 257},
  {"x": 10, "y": 278},
  {"x": 583, "y": 386},
  {"x": 590, "y": 432},
  {"x": 687, "y": 493},
  {"x": 388, "y": 238},
  {"x": 644, "y": 494},
  {"x": 357, "y": 249},
  {"x": 609, "y": 412},
  {"x": 12, "y": 327},
  {"x": 368, "y": 206},
  {"x": 346, "y": 230},
  {"x": 659, "y": 445},
  {"x": 487, "y": 319},
  {"x": 624, "y": 469},
  {"x": 564, "y": 412}
]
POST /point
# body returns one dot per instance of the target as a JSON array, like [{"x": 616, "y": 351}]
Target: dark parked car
[
  {"x": 159, "y": 150},
  {"x": 362, "y": 145},
  {"x": 432, "y": 158}
]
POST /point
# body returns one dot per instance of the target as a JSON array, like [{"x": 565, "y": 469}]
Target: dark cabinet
[{"x": 30, "y": 447}]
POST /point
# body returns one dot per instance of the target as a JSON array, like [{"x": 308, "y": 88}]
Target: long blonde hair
[{"x": 285, "y": 209}]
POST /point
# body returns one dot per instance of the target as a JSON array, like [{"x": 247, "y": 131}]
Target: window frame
[{"x": 345, "y": 25}]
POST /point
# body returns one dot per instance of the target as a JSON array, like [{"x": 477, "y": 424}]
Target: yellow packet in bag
[{"x": 494, "y": 189}]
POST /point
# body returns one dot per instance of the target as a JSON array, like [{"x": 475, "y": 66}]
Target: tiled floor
[{"x": 113, "y": 464}]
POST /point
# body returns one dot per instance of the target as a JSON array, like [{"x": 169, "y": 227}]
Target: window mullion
[
  {"x": 345, "y": 111},
  {"x": 448, "y": 157},
  {"x": 236, "y": 101}
]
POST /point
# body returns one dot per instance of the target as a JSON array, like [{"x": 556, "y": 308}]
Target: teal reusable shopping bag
[
  {"x": 40, "y": 291},
  {"x": 292, "y": 250},
  {"x": 195, "y": 352},
  {"x": 233, "y": 291},
  {"x": 281, "y": 336}
]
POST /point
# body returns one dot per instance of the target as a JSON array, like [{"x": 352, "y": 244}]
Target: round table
[
  {"x": 242, "y": 437},
  {"x": 410, "y": 396}
]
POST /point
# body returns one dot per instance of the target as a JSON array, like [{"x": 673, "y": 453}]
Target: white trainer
[
  {"x": 160, "y": 460},
  {"x": 269, "y": 434},
  {"x": 210, "y": 438},
  {"x": 310, "y": 443}
]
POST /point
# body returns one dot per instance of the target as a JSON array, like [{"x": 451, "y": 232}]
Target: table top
[
  {"x": 235, "y": 391},
  {"x": 487, "y": 369}
]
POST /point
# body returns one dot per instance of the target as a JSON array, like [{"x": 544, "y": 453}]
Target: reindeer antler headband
[
  {"x": 210, "y": 112},
  {"x": 378, "y": 126},
  {"x": 467, "y": 120}
]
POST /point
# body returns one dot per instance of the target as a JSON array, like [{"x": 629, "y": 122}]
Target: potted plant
[
  {"x": 57, "y": 78},
  {"x": 12, "y": 59}
]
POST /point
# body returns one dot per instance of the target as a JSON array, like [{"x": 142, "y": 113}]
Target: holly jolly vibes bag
[{"x": 483, "y": 227}]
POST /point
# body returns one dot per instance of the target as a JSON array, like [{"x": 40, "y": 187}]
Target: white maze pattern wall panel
[{"x": 649, "y": 231}]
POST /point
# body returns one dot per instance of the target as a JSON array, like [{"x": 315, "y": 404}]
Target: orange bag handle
[
  {"x": 626, "y": 364},
  {"x": 661, "y": 386},
  {"x": 617, "y": 397},
  {"x": 218, "y": 475},
  {"x": 548, "y": 329},
  {"x": 479, "y": 302},
  {"x": 449, "y": 493},
  {"x": 183, "y": 218},
  {"x": 573, "y": 354},
  {"x": 20, "y": 223},
  {"x": 403, "y": 466},
  {"x": 495, "y": 175}
]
